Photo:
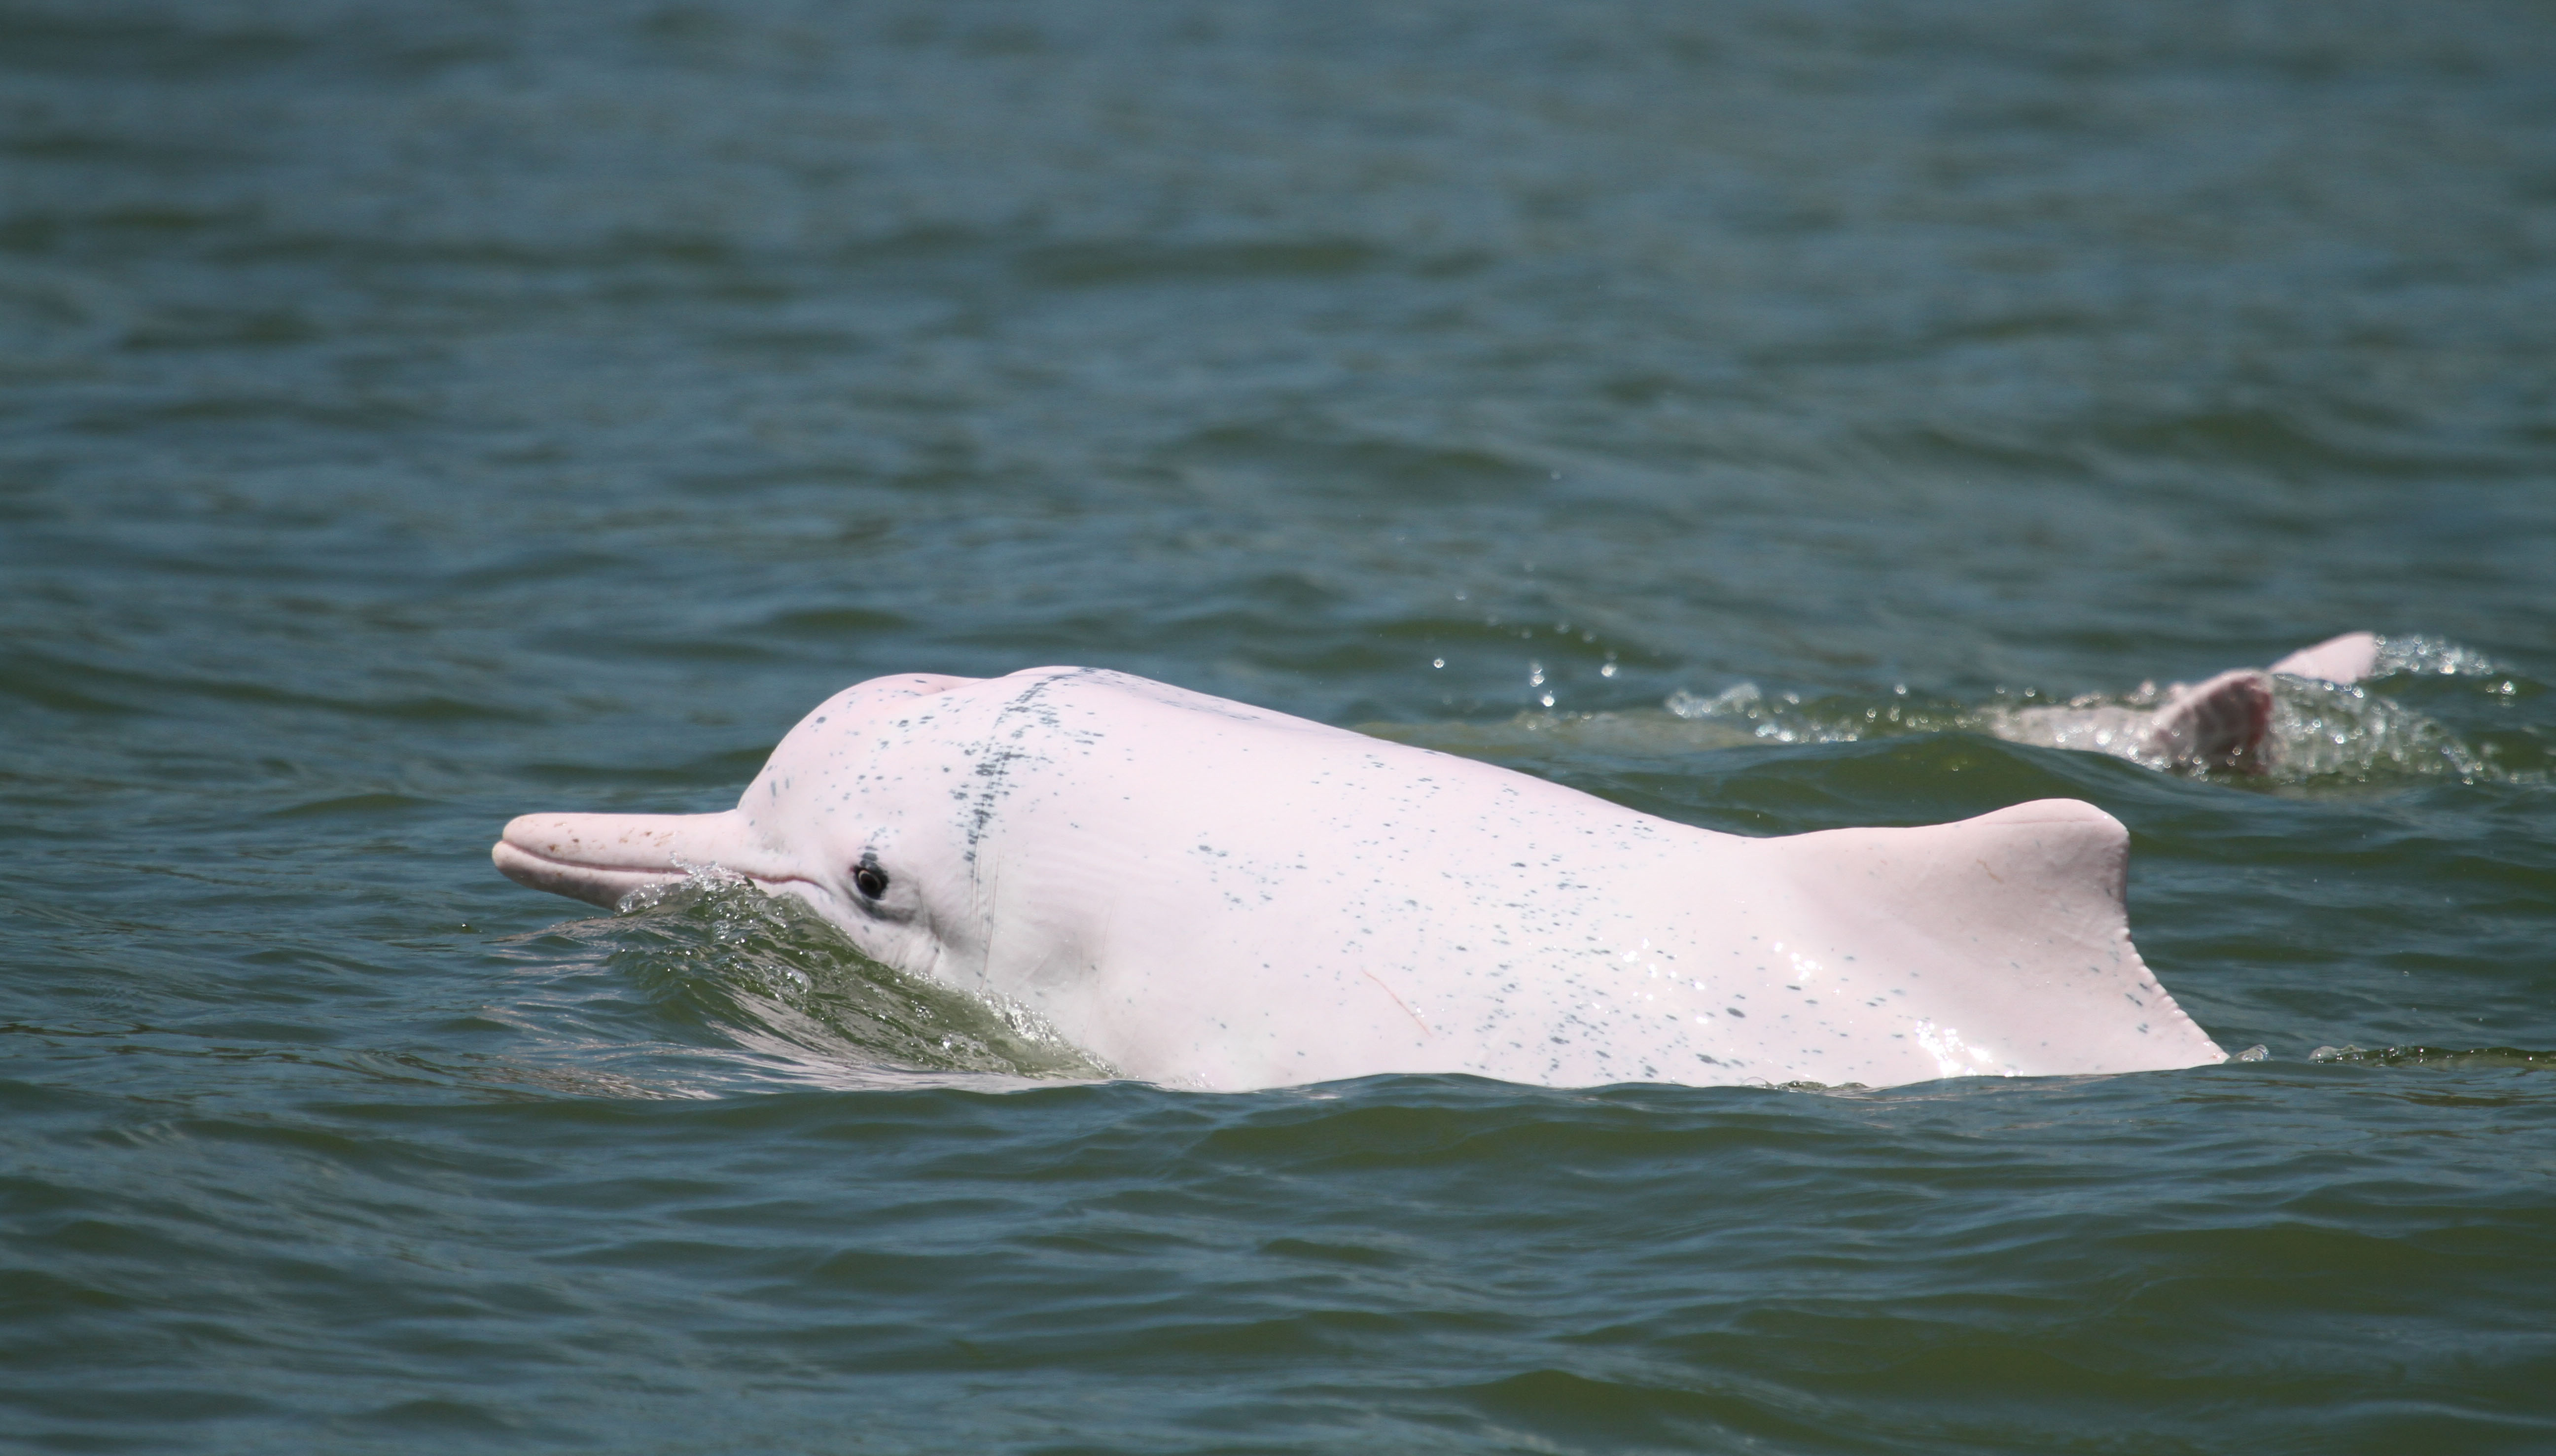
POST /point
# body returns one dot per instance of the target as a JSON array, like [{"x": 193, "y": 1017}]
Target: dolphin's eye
[{"x": 869, "y": 879}]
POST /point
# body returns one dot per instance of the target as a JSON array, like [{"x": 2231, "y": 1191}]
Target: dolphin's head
[{"x": 846, "y": 816}]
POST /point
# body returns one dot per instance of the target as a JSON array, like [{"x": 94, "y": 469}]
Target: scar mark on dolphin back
[
  {"x": 994, "y": 768},
  {"x": 1397, "y": 1000}
]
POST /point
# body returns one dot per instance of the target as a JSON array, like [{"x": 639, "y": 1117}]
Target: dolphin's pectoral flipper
[
  {"x": 2220, "y": 724},
  {"x": 2003, "y": 940}
]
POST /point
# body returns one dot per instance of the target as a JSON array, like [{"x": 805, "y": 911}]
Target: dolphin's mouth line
[
  {"x": 706, "y": 869},
  {"x": 596, "y": 866}
]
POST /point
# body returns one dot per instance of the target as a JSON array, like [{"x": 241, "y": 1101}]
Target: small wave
[
  {"x": 2485, "y": 1058},
  {"x": 1789, "y": 717},
  {"x": 1535, "y": 734},
  {"x": 2337, "y": 731},
  {"x": 2432, "y": 656},
  {"x": 765, "y": 976}
]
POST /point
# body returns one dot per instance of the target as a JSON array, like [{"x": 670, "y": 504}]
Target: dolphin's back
[{"x": 1306, "y": 904}]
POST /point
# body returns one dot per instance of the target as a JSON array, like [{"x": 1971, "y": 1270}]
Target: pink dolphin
[
  {"x": 1210, "y": 895},
  {"x": 2225, "y": 722}
]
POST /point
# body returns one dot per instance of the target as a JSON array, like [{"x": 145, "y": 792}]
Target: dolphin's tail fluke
[{"x": 600, "y": 858}]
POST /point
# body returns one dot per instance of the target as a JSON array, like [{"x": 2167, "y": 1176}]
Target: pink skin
[
  {"x": 2345, "y": 659},
  {"x": 1208, "y": 895},
  {"x": 2220, "y": 723}
]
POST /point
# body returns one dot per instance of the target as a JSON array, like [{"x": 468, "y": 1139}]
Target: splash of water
[
  {"x": 2320, "y": 730},
  {"x": 769, "y": 975}
]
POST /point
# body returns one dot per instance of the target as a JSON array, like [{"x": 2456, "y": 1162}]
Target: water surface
[{"x": 411, "y": 418}]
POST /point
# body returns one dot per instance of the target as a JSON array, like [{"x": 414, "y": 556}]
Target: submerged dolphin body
[
  {"x": 1214, "y": 895},
  {"x": 2225, "y": 722}
]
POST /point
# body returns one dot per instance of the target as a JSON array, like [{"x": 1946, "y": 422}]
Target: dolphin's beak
[{"x": 603, "y": 856}]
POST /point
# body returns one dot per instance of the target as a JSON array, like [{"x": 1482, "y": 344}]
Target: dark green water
[{"x": 411, "y": 416}]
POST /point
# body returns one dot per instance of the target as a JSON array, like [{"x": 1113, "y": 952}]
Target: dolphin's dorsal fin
[{"x": 2002, "y": 941}]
